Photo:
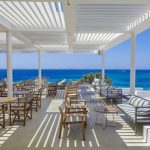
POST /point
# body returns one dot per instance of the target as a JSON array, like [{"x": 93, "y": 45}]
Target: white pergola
[{"x": 74, "y": 26}]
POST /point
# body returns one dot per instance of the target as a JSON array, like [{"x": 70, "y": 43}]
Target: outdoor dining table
[
  {"x": 20, "y": 93},
  {"x": 8, "y": 100},
  {"x": 29, "y": 87}
]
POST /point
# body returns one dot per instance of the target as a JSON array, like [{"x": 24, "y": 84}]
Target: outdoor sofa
[{"x": 137, "y": 109}]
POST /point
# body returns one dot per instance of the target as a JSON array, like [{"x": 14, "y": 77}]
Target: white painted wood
[
  {"x": 68, "y": 17},
  {"x": 103, "y": 66},
  {"x": 9, "y": 63},
  {"x": 39, "y": 66},
  {"x": 132, "y": 63},
  {"x": 89, "y": 18}
]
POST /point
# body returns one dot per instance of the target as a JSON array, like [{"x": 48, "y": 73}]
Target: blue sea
[{"x": 120, "y": 78}]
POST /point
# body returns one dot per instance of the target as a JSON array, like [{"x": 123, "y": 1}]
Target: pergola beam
[
  {"x": 138, "y": 2},
  {"x": 8, "y": 27},
  {"x": 138, "y": 29},
  {"x": 68, "y": 17},
  {"x": 43, "y": 30},
  {"x": 5, "y": 24},
  {"x": 72, "y": 27},
  {"x": 146, "y": 2}
]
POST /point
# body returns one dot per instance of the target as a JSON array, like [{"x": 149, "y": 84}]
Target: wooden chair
[
  {"x": 2, "y": 116},
  {"x": 3, "y": 92},
  {"x": 78, "y": 107},
  {"x": 36, "y": 102},
  {"x": 20, "y": 87},
  {"x": 72, "y": 93},
  {"x": 21, "y": 109},
  {"x": 67, "y": 119},
  {"x": 52, "y": 89}
]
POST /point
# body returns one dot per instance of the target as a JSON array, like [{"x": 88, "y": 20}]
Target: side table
[{"x": 106, "y": 110}]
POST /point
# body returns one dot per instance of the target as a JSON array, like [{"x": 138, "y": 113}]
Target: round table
[{"x": 106, "y": 110}]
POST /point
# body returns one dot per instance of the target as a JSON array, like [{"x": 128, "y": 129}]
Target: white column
[
  {"x": 9, "y": 63},
  {"x": 39, "y": 66},
  {"x": 103, "y": 67},
  {"x": 132, "y": 63}
]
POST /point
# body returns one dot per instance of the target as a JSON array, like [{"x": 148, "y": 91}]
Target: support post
[
  {"x": 39, "y": 67},
  {"x": 132, "y": 63},
  {"x": 103, "y": 67},
  {"x": 9, "y": 63}
]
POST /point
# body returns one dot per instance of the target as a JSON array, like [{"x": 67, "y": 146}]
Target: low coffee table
[{"x": 106, "y": 110}]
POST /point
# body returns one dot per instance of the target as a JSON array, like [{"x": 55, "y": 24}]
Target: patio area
[
  {"x": 70, "y": 26},
  {"x": 42, "y": 131}
]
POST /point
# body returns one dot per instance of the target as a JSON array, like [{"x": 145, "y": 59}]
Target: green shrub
[{"x": 89, "y": 78}]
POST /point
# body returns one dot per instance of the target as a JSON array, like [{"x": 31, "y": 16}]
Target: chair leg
[
  {"x": 36, "y": 107},
  {"x": 135, "y": 128},
  {"x": 9, "y": 114},
  {"x": 60, "y": 129},
  {"x": 24, "y": 121},
  {"x": 31, "y": 112},
  {"x": 83, "y": 128},
  {"x": 3, "y": 125}
]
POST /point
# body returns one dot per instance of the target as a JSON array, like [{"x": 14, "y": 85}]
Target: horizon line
[{"x": 70, "y": 69}]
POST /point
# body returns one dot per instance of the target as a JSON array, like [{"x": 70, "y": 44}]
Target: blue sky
[{"x": 116, "y": 58}]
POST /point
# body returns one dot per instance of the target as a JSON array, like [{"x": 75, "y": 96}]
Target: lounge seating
[
  {"x": 2, "y": 116},
  {"x": 143, "y": 93},
  {"x": 126, "y": 92},
  {"x": 137, "y": 109}
]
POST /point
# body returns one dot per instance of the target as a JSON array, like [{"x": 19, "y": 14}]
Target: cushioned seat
[{"x": 137, "y": 109}]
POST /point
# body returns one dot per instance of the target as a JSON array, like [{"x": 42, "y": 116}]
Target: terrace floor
[{"x": 42, "y": 132}]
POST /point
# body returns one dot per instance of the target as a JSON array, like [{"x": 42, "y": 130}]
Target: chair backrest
[
  {"x": 61, "y": 111},
  {"x": 62, "y": 108},
  {"x": 29, "y": 97},
  {"x": 105, "y": 87},
  {"x": 40, "y": 91},
  {"x": 67, "y": 104}
]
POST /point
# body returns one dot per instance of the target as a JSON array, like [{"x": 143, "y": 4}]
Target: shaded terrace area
[
  {"x": 42, "y": 131},
  {"x": 70, "y": 26}
]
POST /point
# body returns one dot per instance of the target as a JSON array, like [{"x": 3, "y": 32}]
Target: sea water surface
[{"x": 120, "y": 78}]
